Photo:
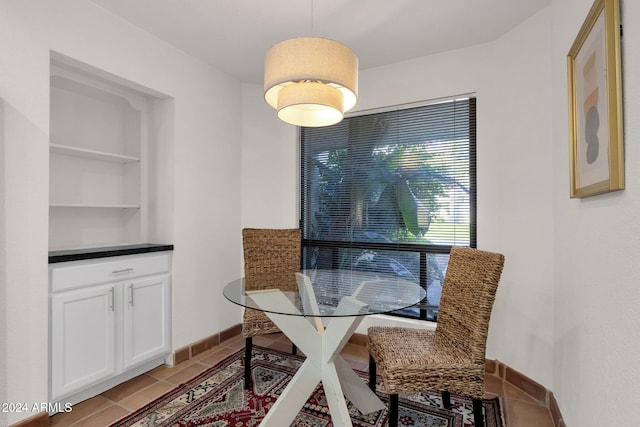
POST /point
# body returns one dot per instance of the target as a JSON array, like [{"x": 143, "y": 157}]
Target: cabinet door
[
  {"x": 82, "y": 338},
  {"x": 146, "y": 319}
]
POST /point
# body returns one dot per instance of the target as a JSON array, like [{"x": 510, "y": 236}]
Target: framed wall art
[{"x": 595, "y": 103}]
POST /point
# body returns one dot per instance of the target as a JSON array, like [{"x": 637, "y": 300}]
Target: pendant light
[{"x": 311, "y": 81}]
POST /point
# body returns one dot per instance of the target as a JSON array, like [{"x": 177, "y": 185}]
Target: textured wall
[{"x": 596, "y": 248}]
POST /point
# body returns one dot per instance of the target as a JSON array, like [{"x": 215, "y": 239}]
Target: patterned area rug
[{"x": 216, "y": 398}]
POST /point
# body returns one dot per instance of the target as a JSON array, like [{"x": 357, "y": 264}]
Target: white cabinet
[
  {"x": 110, "y": 321},
  {"x": 82, "y": 339},
  {"x": 146, "y": 308}
]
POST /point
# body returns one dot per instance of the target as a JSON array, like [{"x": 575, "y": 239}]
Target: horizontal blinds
[{"x": 404, "y": 176}]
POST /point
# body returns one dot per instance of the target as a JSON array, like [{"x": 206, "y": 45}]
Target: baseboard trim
[
  {"x": 528, "y": 386},
  {"x": 41, "y": 419},
  {"x": 187, "y": 352}
]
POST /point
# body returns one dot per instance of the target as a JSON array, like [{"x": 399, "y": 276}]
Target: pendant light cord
[{"x": 313, "y": 32}]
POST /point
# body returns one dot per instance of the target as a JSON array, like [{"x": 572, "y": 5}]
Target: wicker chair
[
  {"x": 271, "y": 259},
  {"x": 450, "y": 359}
]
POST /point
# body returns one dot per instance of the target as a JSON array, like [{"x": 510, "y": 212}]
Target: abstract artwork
[{"x": 595, "y": 103}]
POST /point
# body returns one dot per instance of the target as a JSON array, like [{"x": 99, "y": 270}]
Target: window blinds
[{"x": 397, "y": 177}]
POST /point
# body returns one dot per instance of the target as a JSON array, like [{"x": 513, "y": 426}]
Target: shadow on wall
[
  {"x": 3, "y": 273},
  {"x": 532, "y": 351},
  {"x": 21, "y": 143}
]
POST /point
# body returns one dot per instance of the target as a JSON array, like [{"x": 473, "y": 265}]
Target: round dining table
[{"x": 319, "y": 317}]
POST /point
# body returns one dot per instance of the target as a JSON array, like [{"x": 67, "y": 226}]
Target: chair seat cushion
[{"x": 403, "y": 364}]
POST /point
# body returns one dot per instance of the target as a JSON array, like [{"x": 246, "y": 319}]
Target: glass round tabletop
[{"x": 330, "y": 293}]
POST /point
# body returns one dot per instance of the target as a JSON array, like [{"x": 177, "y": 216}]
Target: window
[{"x": 391, "y": 192}]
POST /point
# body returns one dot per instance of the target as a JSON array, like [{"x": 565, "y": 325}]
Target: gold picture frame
[{"x": 595, "y": 103}]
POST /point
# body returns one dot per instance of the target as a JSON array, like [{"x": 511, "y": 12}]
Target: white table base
[{"x": 322, "y": 348}]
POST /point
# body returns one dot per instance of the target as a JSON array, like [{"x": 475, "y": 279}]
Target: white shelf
[
  {"x": 92, "y": 154},
  {"x": 95, "y": 206},
  {"x": 96, "y": 185},
  {"x": 108, "y": 148}
]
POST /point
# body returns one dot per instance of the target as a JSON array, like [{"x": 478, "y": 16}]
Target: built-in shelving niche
[{"x": 110, "y": 146}]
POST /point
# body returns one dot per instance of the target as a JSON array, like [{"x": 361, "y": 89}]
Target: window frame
[{"x": 426, "y": 312}]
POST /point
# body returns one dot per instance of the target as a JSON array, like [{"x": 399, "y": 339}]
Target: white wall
[
  {"x": 515, "y": 211},
  {"x": 24, "y": 194},
  {"x": 511, "y": 78},
  {"x": 207, "y": 139},
  {"x": 596, "y": 247},
  {"x": 270, "y": 174}
]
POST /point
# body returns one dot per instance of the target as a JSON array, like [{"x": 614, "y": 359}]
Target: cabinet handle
[
  {"x": 131, "y": 295},
  {"x": 112, "y": 299},
  {"x": 124, "y": 270}
]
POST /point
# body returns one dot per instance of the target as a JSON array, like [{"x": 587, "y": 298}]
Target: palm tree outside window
[{"x": 391, "y": 192}]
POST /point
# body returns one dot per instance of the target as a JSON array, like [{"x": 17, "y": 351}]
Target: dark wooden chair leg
[
  {"x": 372, "y": 374},
  {"x": 446, "y": 399},
  {"x": 478, "y": 416},
  {"x": 248, "y": 343},
  {"x": 393, "y": 410},
  {"x": 294, "y": 349}
]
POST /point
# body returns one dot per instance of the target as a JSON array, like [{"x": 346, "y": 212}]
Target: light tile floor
[{"x": 520, "y": 409}]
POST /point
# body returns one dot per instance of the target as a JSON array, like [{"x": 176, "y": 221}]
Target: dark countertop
[{"x": 104, "y": 252}]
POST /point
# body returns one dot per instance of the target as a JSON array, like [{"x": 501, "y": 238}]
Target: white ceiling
[{"x": 233, "y": 35}]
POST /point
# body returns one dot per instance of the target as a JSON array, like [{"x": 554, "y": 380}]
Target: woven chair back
[
  {"x": 271, "y": 258},
  {"x": 468, "y": 293}
]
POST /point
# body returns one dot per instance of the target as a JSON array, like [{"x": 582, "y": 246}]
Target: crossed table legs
[{"x": 322, "y": 347}]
